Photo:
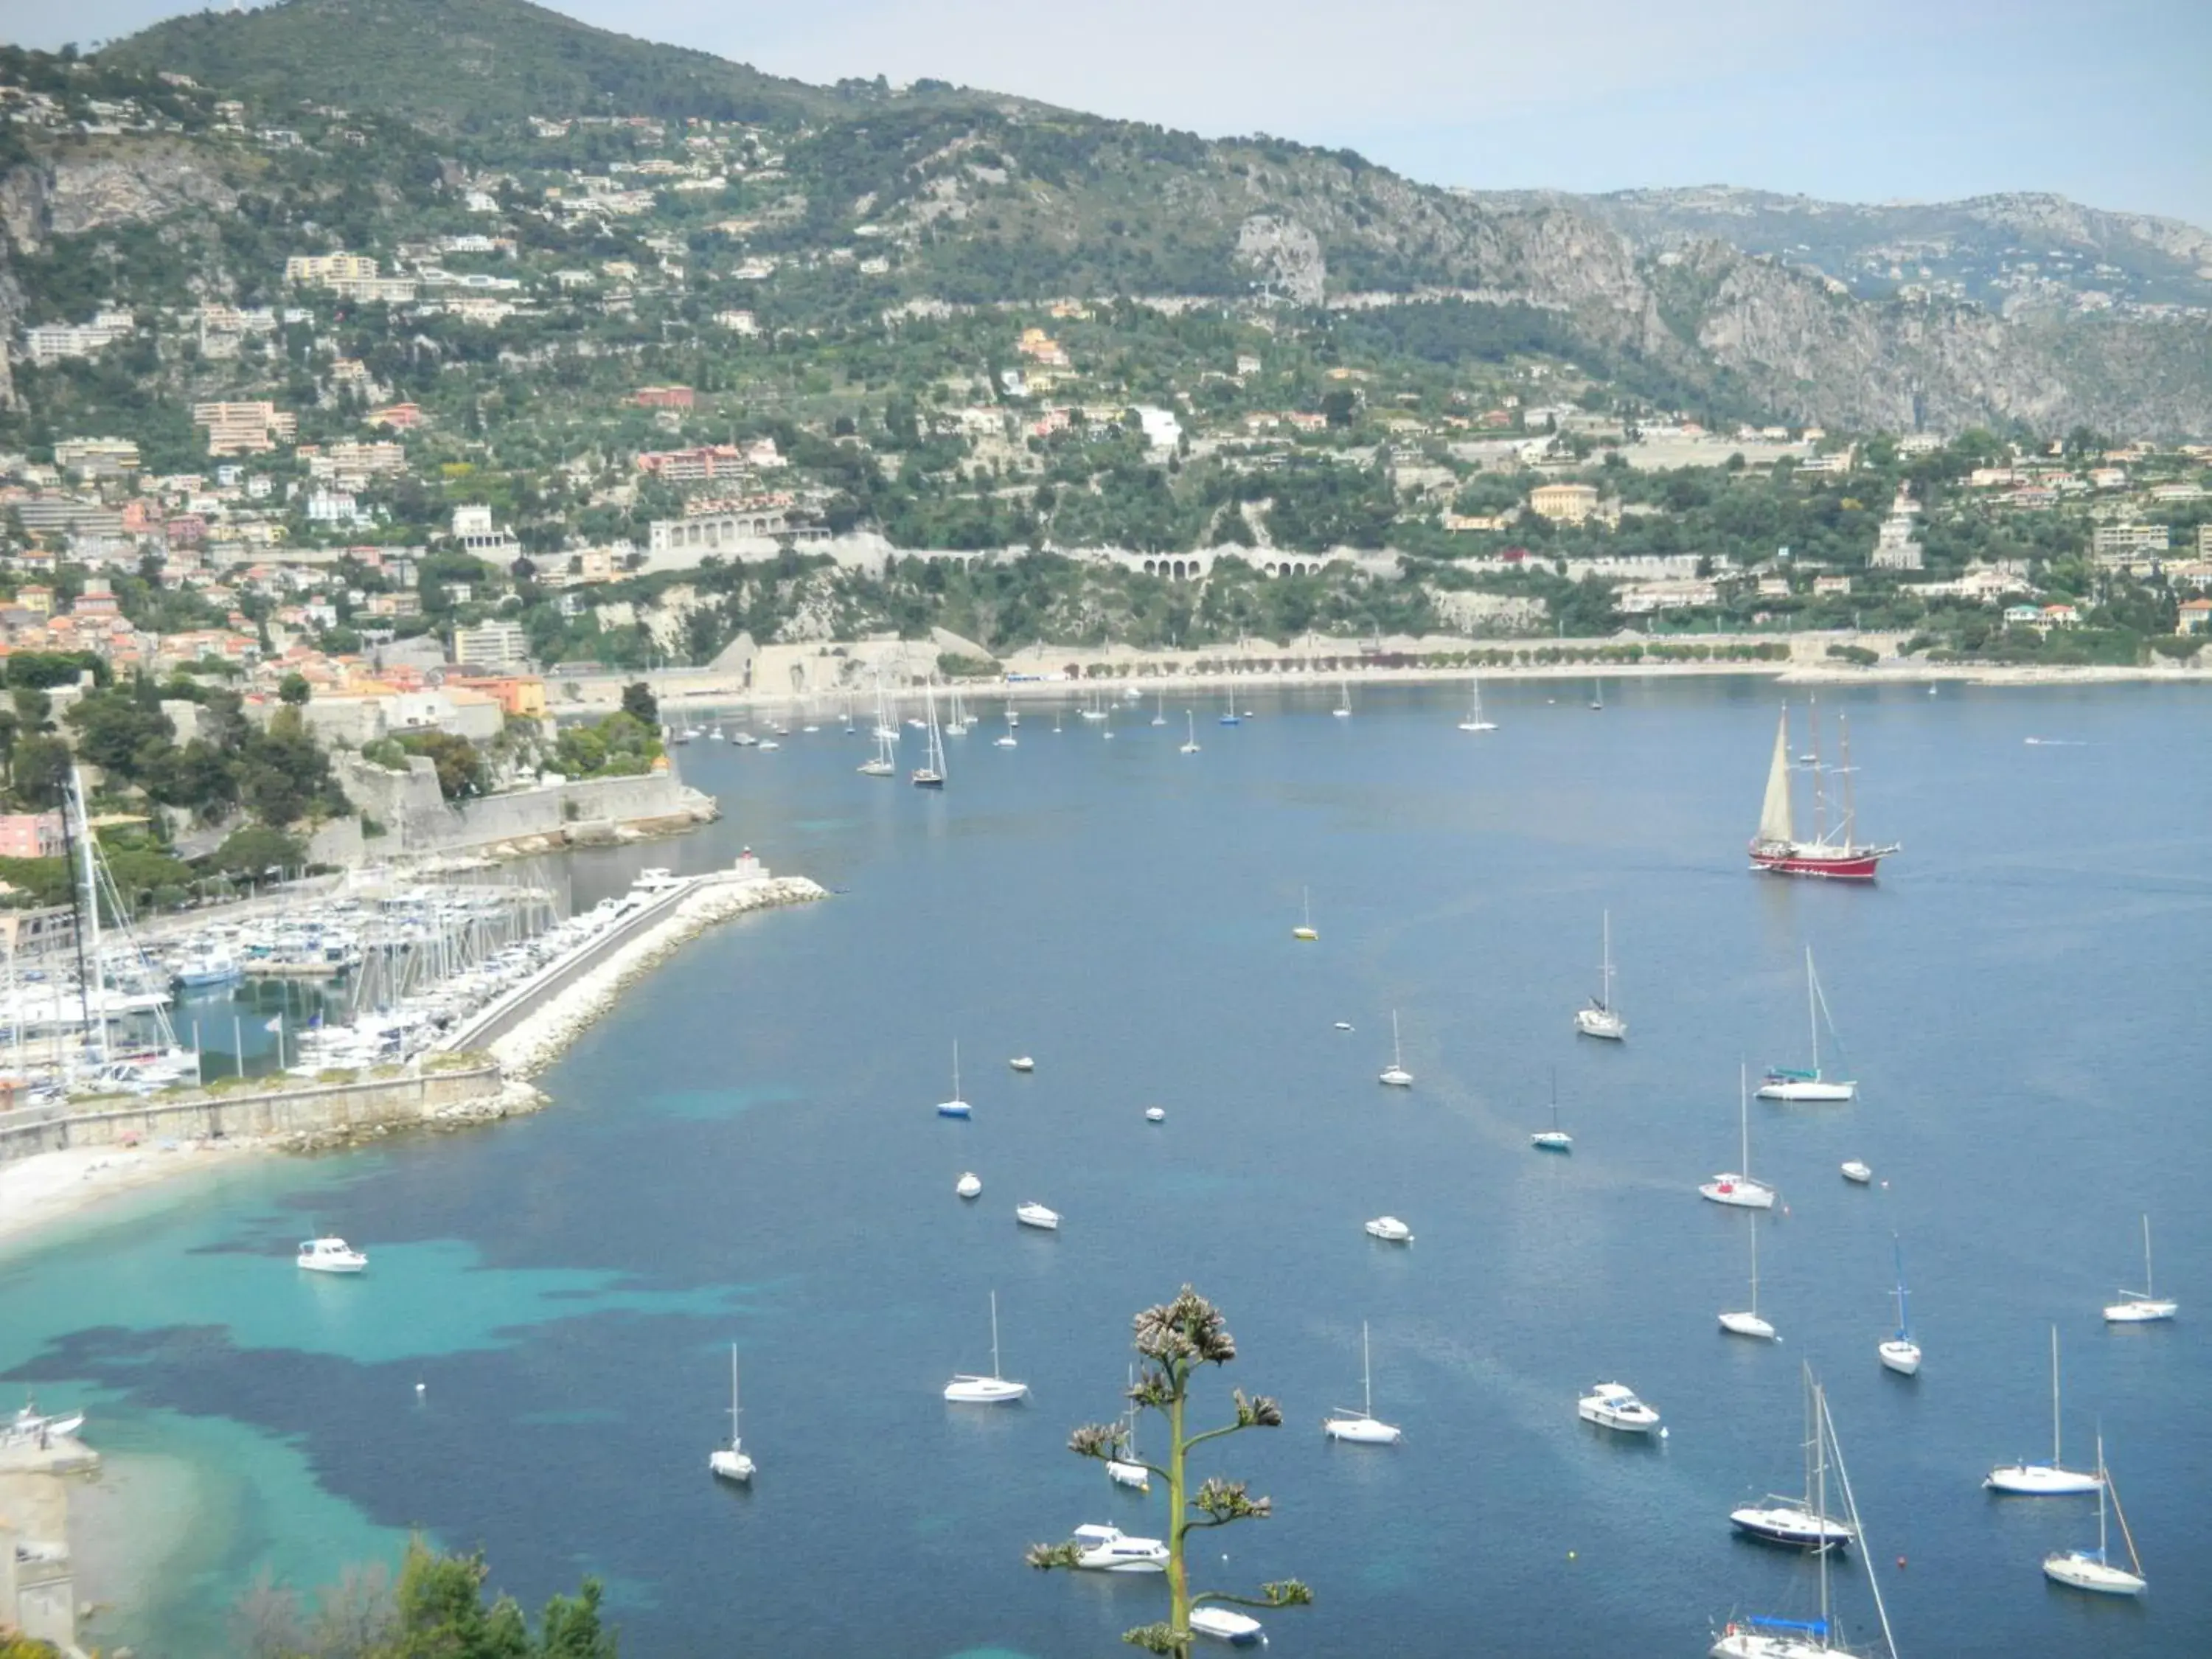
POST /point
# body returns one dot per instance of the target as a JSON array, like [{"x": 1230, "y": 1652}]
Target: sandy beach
[{"x": 38, "y": 1191}]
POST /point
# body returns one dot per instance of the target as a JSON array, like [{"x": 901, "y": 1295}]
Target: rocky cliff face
[{"x": 123, "y": 184}]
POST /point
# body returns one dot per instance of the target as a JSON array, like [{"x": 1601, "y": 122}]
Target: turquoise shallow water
[{"x": 747, "y": 1150}]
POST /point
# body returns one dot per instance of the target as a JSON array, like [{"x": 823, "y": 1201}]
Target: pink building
[{"x": 30, "y": 834}]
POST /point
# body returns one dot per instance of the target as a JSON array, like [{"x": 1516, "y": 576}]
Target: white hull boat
[
  {"x": 956, "y": 1107},
  {"x": 1808, "y": 1087},
  {"x": 2052, "y": 1480},
  {"x": 970, "y": 1185},
  {"x": 2094, "y": 1569},
  {"x": 1035, "y": 1215},
  {"x": 1602, "y": 1019},
  {"x": 1189, "y": 745},
  {"x": 1553, "y": 1140},
  {"x": 732, "y": 1461},
  {"x": 1614, "y": 1405},
  {"x": 1739, "y": 1191},
  {"x": 1362, "y": 1427},
  {"x": 1226, "y": 1624},
  {"x": 1474, "y": 721},
  {"x": 993, "y": 1390},
  {"x": 1135, "y": 1476},
  {"x": 1389, "y": 1229},
  {"x": 330, "y": 1255},
  {"x": 2146, "y": 1308},
  {"x": 1022, "y": 1063},
  {"x": 1900, "y": 1353},
  {"x": 1155, "y": 1114},
  {"x": 1747, "y": 1322},
  {"x": 1109, "y": 1549},
  {"x": 1396, "y": 1074},
  {"x": 1776, "y": 1522},
  {"x": 1857, "y": 1173}
]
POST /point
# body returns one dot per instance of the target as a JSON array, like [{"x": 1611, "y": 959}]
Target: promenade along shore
[{"x": 59, "y": 1161}]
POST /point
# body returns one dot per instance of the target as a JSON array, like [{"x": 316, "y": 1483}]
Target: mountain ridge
[{"x": 1899, "y": 318}]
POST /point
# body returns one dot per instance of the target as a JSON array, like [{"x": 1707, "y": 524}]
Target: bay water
[{"x": 747, "y": 1150}]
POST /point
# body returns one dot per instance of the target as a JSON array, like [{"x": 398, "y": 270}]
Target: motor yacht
[
  {"x": 1034, "y": 1214},
  {"x": 330, "y": 1255},
  {"x": 1614, "y": 1405},
  {"x": 1390, "y": 1230},
  {"x": 1107, "y": 1549}
]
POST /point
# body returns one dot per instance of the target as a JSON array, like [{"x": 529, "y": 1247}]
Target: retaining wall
[
  {"x": 417, "y": 819},
  {"x": 306, "y": 1109}
]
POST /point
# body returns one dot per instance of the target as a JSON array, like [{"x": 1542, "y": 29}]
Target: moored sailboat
[
  {"x": 732, "y": 1461},
  {"x": 2144, "y": 1308},
  {"x": 1776, "y": 847},
  {"x": 2093, "y": 1570},
  {"x": 1601, "y": 1018},
  {"x": 1735, "y": 1187},
  {"x": 1900, "y": 1353},
  {"x": 1362, "y": 1427},
  {"x": 1787, "y": 1083},
  {"x": 992, "y": 1390},
  {"x": 2052, "y": 1480}
]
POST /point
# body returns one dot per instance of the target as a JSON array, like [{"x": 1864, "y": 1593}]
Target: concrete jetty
[{"x": 528, "y": 1029}]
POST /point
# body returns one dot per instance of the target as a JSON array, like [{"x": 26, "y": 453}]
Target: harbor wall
[
  {"x": 316, "y": 1111},
  {"x": 417, "y": 818}
]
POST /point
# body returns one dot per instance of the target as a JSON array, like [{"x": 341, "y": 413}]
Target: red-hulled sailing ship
[{"x": 1775, "y": 847}]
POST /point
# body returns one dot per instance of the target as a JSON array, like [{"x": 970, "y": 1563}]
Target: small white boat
[
  {"x": 1395, "y": 1074},
  {"x": 732, "y": 1461},
  {"x": 1155, "y": 1114},
  {"x": 1787, "y": 1083},
  {"x": 1160, "y": 709},
  {"x": 767, "y": 743},
  {"x": 330, "y": 1255},
  {"x": 2052, "y": 1480},
  {"x": 1343, "y": 710},
  {"x": 1614, "y": 1405},
  {"x": 1900, "y": 1353},
  {"x": 992, "y": 1390},
  {"x": 1008, "y": 740},
  {"x": 1109, "y": 1549},
  {"x": 1601, "y": 1018},
  {"x": 1739, "y": 1191},
  {"x": 1855, "y": 1171},
  {"x": 970, "y": 1185},
  {"x": 1304, "y": 930},
  {"x": 1747, "y": 1322},
  {"x": 1033, "y": 1214},
  {"x": 1553, "y": 1140},
  {"x": 1239, "y": 1630},
  {"x": 1344, "y": 1025},
  {"x": 1362, "y": 1427},
  {"x": 1190, "y": 741},
  {"x": 1474, "y": 721},
  {"x": 1390, "y": 1230},
  {"x": 2144, "y": 1309},
  {"x": 1128, "y": 1469},
  {"x": 2092, "y": 1569},
  {"x": 1023, "y": 1063},
  {"x": 956, "y": 1107}
]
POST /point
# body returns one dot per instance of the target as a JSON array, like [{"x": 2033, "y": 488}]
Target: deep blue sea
[{"x": 747, "y": 1150}]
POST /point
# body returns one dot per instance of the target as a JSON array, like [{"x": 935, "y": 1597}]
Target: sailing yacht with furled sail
[
  {"x": 930, "y": 774},
  {"x": 1474, "y": 720},
  {"x": 2092, "y": 1570},
  {"x": 1602, "y": 1019},
  {"x": 880, "y": 764},
  {"x": 1775, "y": 847},
  {"x": 2052, "y": 1480},
  {"x": 1734, "y": 1187},
  {"x": 1787, "y": 1082}
]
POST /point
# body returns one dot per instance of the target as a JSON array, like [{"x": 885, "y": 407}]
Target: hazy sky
[{"x": 1872, "y": 100}]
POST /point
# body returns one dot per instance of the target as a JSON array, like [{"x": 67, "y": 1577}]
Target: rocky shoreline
[{"x": 542, "y": 1037}]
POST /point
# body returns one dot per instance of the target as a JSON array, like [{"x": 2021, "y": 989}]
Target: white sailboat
[
  {"x": 957, "y": 1106},
  {"x": 1343, "y": 710},
  {"x": 1553, "y": 1140},
  {"x": 970, "y": 1185},
  {"x": 930, "y": 774},
  {"x": 1304, "y": 930},
  {"x": 1602, "y": 1019},
  {"x": 2052, "y": 1480},
  {"x": 1729, "y": 1187},
  {"x": 1190, "y": 741},
  {"x": 1362, "y": 1427},
  {"x": 1160, "y": 708},
  {"x": 1747, "y": 1322},
  {"x": 1763, "y": 1637},
  {"x": 1474, "y": 720},
  {"x": 1126, "y": 1467},
  {"x": 881, "y": 764},
  {"x": 1395, "y": 1074},
  {"x": 1228, "y": 707},
  {"x": 1008, "y": 740},
  {"x": 1787, "y": 1083},
  {"x": 732, "y": 1461},
  {"x": 2144, "y": 1308},
  {"x": 992, "y": 1390},
  {"x": 1034, "y": 1214},
  {"x": 1901, "y": 1354},
  {"x": 2092, "y": 1569},
  {"x": 958, "y": 726}
]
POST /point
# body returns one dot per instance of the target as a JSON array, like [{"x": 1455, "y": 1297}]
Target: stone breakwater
[{"x": 540, "y": 1038}]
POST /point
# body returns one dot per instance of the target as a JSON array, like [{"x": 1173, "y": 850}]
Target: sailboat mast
[
  {"x": 733, "y": 1396},
  {"x": 1743, "y": 1115},
  {"x": 1850, "y": 797},
  {"x": 1812, "y": 1009},
  {"x": 2149, "y": 1294},
  {"x": 1367, "y": 1376},
  {"x": 956, "y": 1068},
  {"x": 1821, "y": 1494},
  {"x": 2054, "y": 1395},
  {"x": 1755, "y": 1264},
  {"x": 1819, "y": 786},
  {"x": 995, "y": 1334},
  {"x": 1605, "y": 966}
]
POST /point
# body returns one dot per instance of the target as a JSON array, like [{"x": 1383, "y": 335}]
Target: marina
[{"x": 1532, "y": 1275}]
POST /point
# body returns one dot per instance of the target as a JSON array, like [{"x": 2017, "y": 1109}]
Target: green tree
[
  {"x": 295, "y": 690},
  {"x": 40, "y": 774},
  {"x": 255, "y": 850},
  {"x": 639, "y": 703},
  {"x": 1172, "y": 1341},
  {"x": 461, "y": 769}
]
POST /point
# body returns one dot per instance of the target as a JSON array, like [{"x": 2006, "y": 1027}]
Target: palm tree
[{"x": 1172, "y": 1341}]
